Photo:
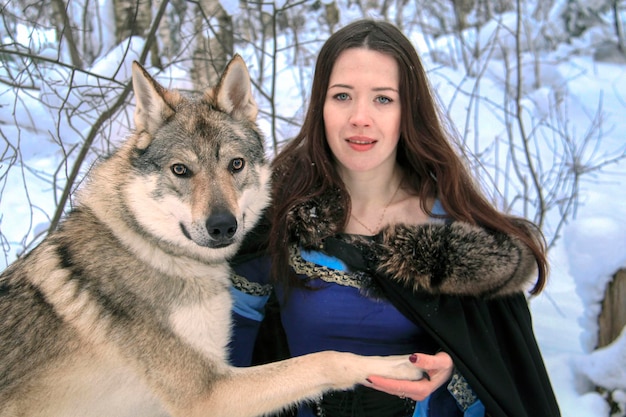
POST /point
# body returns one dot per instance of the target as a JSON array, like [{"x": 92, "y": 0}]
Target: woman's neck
[
  {"x": 371, "y": 190},
  {"x": 371, "y": 195}
]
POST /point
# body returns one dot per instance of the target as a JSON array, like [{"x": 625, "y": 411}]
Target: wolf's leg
[{"x": 258, "y": 390}]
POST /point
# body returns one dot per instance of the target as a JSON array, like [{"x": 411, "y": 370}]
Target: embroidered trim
[
  {"x": 461, "y": 391},
  {"x": 251, "y": 288},
  {"x": 301, "y": 266},
  {"x": 310, "y": 269}
]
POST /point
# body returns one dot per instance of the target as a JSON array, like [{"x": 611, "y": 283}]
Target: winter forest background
[{"x": 536, "y": 90}]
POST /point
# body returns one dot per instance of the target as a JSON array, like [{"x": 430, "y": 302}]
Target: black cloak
[{"x": 491, "y": 343}]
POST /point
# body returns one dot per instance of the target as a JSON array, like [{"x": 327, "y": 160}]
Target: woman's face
[{"x": 362, "y": 110}]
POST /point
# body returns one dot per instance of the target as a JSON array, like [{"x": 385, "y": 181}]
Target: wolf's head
[{"x": 193, "y": 177}]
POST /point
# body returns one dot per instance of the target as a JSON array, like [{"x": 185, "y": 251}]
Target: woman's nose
[{"x": 360, "y": 115}]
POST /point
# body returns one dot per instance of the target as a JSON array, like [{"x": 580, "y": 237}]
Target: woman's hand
[{"x": 438, "y": 368}]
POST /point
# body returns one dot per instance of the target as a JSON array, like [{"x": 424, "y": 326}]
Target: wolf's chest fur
[{"x": 191, "y": 310}]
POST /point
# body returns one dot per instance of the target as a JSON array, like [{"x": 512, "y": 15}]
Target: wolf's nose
[{"x": 221, "y": 226}]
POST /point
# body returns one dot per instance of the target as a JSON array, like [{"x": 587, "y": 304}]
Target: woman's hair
[{"x": 305, "y": 169}]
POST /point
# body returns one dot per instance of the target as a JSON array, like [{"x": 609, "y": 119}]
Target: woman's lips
[{"x": 361, "y": 144}]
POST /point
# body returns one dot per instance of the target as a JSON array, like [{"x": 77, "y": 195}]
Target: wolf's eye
[
  {"x": 180, "y": 170},
  {"x": 236, "y": 165}
]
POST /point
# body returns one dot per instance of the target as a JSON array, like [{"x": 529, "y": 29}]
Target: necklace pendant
[{"x": 382, "y": 216}]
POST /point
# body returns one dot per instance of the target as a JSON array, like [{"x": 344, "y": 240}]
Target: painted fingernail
[{"x": 413, "y": 358}]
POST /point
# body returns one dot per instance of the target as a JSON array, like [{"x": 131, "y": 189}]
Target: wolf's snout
[{"x": 221, "y": 226}]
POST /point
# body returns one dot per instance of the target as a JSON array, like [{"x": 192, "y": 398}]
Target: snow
[
  {"x": 601, "y": 368},
  {"x": 590, "y": 249}
]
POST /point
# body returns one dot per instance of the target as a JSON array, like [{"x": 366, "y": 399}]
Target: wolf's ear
[
  {"x": 152, "y": 106},
  {"x": 233, "y": 93}
]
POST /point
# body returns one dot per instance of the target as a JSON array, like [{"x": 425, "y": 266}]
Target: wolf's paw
[
  {"x": 399, "y": 367},
  {"x": 342, "y": 370}
]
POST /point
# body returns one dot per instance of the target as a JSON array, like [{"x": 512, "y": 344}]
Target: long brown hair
[{"x": 433, "y": 167}]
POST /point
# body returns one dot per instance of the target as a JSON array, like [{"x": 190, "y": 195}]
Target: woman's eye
[
  {"x": 342, "y": 96},
  {"x": 180, "y": 170},
  {"x": 237, "y": 165},
  {"x": 383, "y": 100}
]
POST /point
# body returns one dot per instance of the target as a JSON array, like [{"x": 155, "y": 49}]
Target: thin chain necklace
[{"x": 382, "y": 216}]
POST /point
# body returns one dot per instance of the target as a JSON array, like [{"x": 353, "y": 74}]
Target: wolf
[{"x": 124, "y": 309}]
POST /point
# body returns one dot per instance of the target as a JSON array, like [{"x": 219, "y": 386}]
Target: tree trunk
[
  {"x": 212, "y": 52},
  {"x": 612, "y": 319},
  {"x": 133, "y": 18},
  {"x": 619, "y": 28},
  {"x": 64, "y": 31}
]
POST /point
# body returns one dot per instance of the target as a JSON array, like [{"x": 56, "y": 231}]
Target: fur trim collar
[
  {"x": 456, "y": 258},
  {"x": 440, "y": 258},
  {"x": 316, "y": 219}
]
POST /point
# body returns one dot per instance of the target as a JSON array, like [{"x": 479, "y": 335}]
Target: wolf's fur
[{"x": 125, "y": 309}]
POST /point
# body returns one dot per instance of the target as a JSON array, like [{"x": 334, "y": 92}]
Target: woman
[{"x": 378, "y": 242}]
